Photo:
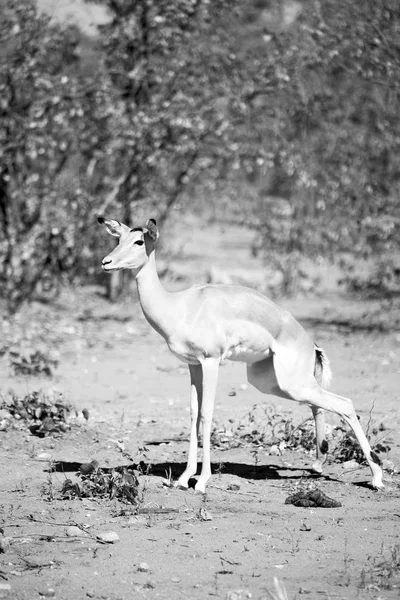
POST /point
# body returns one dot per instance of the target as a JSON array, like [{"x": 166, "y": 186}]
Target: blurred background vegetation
[{"x": 281, "y": 115}]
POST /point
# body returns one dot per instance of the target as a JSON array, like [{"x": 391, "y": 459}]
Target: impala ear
[
  {"x": 113, "y": 227},
  {"x": 152, "y": 229}
]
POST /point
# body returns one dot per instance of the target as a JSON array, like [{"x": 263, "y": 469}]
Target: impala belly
[
  {"x": 247, "y": 342},
  {"x": 242, "y": 353}
]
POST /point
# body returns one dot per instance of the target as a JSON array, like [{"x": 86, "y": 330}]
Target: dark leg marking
[
  {"x": 324, "y": 447},
  {"x": 376, "y": 458}
]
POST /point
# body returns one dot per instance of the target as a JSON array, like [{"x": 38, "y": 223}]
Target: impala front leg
[
  {"x": 322, "y": 444},
  {"x": 210, "y": 368},
  {"x": 196, "y": 391}
]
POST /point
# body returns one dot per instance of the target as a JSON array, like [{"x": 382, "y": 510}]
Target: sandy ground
[{"x": 228, "y": 544}]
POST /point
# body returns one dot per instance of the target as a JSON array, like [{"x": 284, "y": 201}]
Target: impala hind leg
[
  {"x": 262, "y": 376},
  {"x": 296, "y": 378},
  {"x": 196, "y": 398},
  {"x": 321, "y": 443}
]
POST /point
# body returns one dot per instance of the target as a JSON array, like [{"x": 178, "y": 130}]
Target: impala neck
[{"x": 155, "y": 301}]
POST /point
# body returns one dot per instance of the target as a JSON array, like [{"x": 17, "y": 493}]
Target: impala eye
[{"x": 139, "y": 242}]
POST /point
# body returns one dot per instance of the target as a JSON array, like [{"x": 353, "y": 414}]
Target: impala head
[{"x": 134, "y": 246}]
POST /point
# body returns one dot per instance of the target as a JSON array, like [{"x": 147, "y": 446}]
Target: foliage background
[{"x": 281, "y": 115}]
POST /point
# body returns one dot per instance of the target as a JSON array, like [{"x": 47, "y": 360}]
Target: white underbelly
[{"x": 248, "y": 355}]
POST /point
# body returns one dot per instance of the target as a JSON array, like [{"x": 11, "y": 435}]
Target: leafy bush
[
  {"x": 40, "y": 414},
  {"x": 93, "y": 482}
]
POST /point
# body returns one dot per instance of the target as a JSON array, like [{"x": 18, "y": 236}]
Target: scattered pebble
[
  {"x": 205, "y": 515},
  {"x": 5, "y": 590},
  {"x": 87, "y": 468},
  {"x": 349, "y": 465},
  {"x": 108, "y": 536},
  {"x": 233, "y": 487},
  {"x": 274, "y": 450},
  {"x": 38, "y": 561},
  {"x": 4, "y": 543},
  {"x": 175, "y": 580},
  {"x": 49, "y": 593},
  {"x": 45, "y": 456},
  {"x": 232, "y": 393},
  {"x": 388, "y": 465},
  {"x": 143, "y": 567},
  {"x": 74, "y": 531},
  {"x": 238, "y": 595}
]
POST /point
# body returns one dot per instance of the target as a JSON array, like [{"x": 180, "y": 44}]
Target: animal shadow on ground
[{"x": 242, "y": 470}]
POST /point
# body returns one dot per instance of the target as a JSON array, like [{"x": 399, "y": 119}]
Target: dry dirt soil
[{"x": 230, "y": 543}]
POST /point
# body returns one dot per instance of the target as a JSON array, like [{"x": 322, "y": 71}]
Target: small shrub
[
  {"x": 382, "y": 572},
  {"x": 31, "y": 362},
  {"x": 381, "y": 280},
  {"x": 264, "y": 427},
  {"x": 120, "y": 483},
  {"x": 40, "y": 414},
  {"x": 346, "y": 446}
]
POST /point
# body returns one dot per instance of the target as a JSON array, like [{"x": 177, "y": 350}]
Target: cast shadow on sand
[{"x": 273, "y": 472}]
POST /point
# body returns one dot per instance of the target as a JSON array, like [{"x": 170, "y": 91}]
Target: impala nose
[{"x": 106, "y": 261}]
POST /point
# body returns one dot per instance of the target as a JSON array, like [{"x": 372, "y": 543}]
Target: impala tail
[{"x": 322, "y": 370}]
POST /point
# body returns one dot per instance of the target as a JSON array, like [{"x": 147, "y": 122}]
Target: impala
[{"x": 206, "y": 324}]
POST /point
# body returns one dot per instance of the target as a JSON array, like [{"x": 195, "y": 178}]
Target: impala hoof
[
  {"x": 378, "y": 485},
  {"x": 200, "y": 486},
  {"x": 317, "y": 466},
  {"x": 181, "y": 485}
]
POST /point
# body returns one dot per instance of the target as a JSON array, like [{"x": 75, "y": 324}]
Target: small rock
[
  {"x": 87, "y": 468},
  {"x": 4, "y": 543},
  {"x": 74, "y": 531},
  {"x": 175, "y": 580},
  {"x": 150, "y": 584},
  {"x": 205, "y": 515},
  {"x": 349, "y": 465},
  {"x": 143, "y": 567},
  {"x": 243, "y": 387},
  {"x": 388, "y": 465},
  {"x": 238, "y": 595},
  {"x": 45, "y": 456},
  {"x": 49, "y": 593},
  {"x": 232, "y": 393},
  {"x": 274, "y": 450},
  {"x": 37, "y": 561},
  {"x": 233, "y": 487},
  {"x": 108, "y": 536},
  {"x": 5, "y": 590}
]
